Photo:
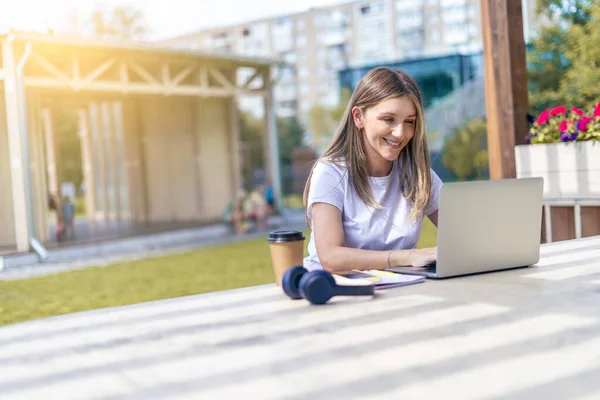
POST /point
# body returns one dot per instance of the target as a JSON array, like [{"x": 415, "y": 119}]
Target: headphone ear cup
[
  {"x": 317, "y": 286},
  {"x": 290, "y": 281}
]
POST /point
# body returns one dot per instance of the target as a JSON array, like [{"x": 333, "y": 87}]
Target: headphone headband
[{"x": 318, "y": 286}]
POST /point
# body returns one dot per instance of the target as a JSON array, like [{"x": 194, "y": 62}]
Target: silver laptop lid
[{"x": 489, "y": 225}]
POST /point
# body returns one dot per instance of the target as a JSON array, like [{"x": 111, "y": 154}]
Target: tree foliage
[
  {"x": 466, "y": 153},
  {"x": 122, "y": 22},
  {"x": 564, "y": 60},
  {"x": 65, "y": 128},
  {"x": 252, "y": 133},
  {"x": 325, "y": 120}
]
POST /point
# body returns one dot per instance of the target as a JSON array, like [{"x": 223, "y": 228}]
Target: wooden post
[
  {"x": 234, "y": 127},
  {"x": 271, "y": 141},
  {"x": 113, "y": 151},
  {"x": 86, "y": 161},
  {"x": 99, "y": 159},
  {"x": 15, "y": 147},
  {"x": 505, "y": 83},
  {"x": 53, "y": 162}
]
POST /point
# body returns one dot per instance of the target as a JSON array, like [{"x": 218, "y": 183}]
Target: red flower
[
  {"x": 583, "y": 123},
  {"x": 558, "y": 110},
  {"x": 563, "y": 126},
  {"x": 543, "y": 118},
  {"x": 597, "y": 110},
  {"x": 577, "y": 111}
]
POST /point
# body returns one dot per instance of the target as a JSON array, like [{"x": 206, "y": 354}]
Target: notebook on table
[{"x": 383, "y": 279}]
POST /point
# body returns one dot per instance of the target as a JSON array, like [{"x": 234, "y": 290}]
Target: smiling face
[{"x": 387, "y": 128}]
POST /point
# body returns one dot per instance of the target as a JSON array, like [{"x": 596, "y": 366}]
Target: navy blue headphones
[{"x": 318, "y": 286}]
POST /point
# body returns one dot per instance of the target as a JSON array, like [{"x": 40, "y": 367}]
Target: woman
[{"x": 366, "y": 196}]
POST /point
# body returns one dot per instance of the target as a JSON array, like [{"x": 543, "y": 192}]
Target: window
[
  {"x": 433, "y": 18},
  {"x": 459, "y": 3},
  {"x": 411, "y": 36},
  {"x": 407, "y": 5},
  {"x": 306, "y": 105},
  {"x": 301, "y": 41},
  {"x": 303, "y": 72},
  {"x": 377, "y": 7},
  {"x": 434, "y": 35},
  {"x": 304, "y": 89}
]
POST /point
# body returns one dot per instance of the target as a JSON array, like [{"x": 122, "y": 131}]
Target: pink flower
[
  {"x": 583, "y": 123},
  {"x": 543, "y": 118},
  {"x": 563, "y": 126},
  {"x": 597, "y": 110},
  {"x": 577, "y": 111},
  {"x": 558, "y": 110}
]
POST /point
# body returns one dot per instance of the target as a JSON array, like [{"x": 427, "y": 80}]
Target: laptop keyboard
[{"x": 430, "y": 267}]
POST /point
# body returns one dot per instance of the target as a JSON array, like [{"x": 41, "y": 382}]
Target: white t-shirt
[{"x": 365, "y": 227}]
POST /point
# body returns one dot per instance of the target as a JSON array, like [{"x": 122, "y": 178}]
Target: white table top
[{"x": 519, "y": 334}]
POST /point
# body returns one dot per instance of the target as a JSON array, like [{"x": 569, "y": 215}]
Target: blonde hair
[{"x": 348, "y": 145}]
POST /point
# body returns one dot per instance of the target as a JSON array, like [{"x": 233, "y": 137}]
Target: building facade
[
  {"x": 437, "y": 77},
  {"x": 320, "y": 42}
]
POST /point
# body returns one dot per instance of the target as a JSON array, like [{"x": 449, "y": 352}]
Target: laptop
[{"x": 486, "y": 226}]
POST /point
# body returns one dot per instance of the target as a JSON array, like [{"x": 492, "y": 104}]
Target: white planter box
[{"x": 571, "y": 171}]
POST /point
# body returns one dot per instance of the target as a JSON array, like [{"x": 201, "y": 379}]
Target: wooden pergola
[
  {"x": 158, "y": 128},
  {"x": 506, "y": 93},
  {"x": 505, "y": 83}
]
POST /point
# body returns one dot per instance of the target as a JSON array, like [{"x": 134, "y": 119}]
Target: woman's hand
[
  {"x": 414, "y": 258},
  {"x": 422, "y": 257}
]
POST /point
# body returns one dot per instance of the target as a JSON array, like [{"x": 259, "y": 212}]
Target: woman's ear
[{"x": 357, "y": 117}]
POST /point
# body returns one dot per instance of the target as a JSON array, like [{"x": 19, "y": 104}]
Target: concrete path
[{"x": 23, "y": 266}]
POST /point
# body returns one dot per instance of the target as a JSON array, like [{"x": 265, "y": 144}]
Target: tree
[
  {"x": 580, "y": 83},
  {"x": 69, "y": 147},
  {"x": 465, "y": 152},
  {"x": 252, "y": 133},
  {"x": 325, "y": 120},
  {"x": 564, "y": 59},
  {"x": 124, "y": 23},
  {"x": 290, "y": 134},
  {"x": 121, "y": 23},
  {"x": 251, "y": 137}
]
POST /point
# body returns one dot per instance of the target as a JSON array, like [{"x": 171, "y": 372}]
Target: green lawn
[{"x": 204, "y": 270}]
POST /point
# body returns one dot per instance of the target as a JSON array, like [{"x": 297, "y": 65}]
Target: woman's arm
[{"x": 334, "y": 257}]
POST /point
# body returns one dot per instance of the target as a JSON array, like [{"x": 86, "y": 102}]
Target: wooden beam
[
  {"x": 219, "y": 77},
  {"x": 271, "y": 142},
  {"x": 135, "y": 88},
  {"x": 48, "y": 66},
  {"x": 87, "y": 164},
  {"x": 142, "y": 73},
  {"x": 53, "y": 162},
  {"x": 183, "y": 74},
  {"x": 251, "y": 79},
  {"x": 15, "y": 147},
  {"x": 505, "y": 83},
  {"x": 97, "y": 72},
  {"x": 234, "y": 129},
  {"x": 76, "y": 71}
]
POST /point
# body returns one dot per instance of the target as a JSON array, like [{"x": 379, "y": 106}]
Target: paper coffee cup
[{"x": 287, "y": 250}]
